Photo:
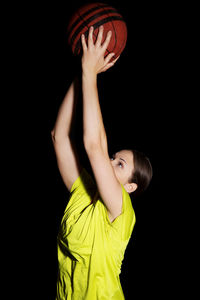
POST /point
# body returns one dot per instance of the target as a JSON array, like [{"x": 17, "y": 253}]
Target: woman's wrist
[{"x": 89, "y": 75}]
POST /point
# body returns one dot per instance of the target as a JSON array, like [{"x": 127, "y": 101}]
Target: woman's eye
[{"x": 120, "y": 165}]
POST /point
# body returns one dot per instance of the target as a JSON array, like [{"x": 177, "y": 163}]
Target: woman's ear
[{"x": 130, "y": 187}]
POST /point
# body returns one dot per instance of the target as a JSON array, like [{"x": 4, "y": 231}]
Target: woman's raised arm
[
  {"x": 67, "y": 158},
  {"x": 63, "y": 124},
  {"x": 95, "y": 140}
]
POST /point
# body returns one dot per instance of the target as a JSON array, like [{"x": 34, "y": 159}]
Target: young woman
[{"x": 99, "y": 218}]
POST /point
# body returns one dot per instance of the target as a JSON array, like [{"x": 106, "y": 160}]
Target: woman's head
[{"x": 133, "y": 169}]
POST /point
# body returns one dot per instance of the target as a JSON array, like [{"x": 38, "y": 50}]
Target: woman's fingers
[
  {"x": 83, "y": 41},
  {"x": 114, "y": 61},
  {"x": 107, "y": 41},
  {"x": 90, "y": 37},
  {"x": 109, "y": 64},
  {"x": 106, "y": 67},
  {"x": 108, "y": 57},
  {"x": 100, "y": 36},
  {"x": 99, "y": 39}
]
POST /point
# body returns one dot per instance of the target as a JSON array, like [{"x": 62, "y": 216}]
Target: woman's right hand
[{"x": 93, "y": 60}]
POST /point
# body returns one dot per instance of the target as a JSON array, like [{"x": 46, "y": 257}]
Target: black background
[{"x": 140, "y": 101}]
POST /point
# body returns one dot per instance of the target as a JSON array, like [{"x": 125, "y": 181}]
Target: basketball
[{"x": 97, "y": 14}]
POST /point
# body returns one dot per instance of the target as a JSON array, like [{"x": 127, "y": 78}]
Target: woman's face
[{"x": 122, "y": 163}]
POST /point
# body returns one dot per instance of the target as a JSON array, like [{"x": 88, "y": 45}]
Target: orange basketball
[{"x": 97, "y": 14}]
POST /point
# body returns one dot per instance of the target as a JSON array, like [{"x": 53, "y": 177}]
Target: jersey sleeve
[
  {"x": 123, "y": 225},
  {"x": 128, "y": 216}
]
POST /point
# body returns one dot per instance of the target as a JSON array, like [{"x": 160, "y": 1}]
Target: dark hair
[{"x": 142, "y": 172}]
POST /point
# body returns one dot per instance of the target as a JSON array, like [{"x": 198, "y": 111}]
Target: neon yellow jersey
[{"x": 90, "y": 247}]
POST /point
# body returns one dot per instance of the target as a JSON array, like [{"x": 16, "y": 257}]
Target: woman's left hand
[{"x": 93, "y": 60}]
